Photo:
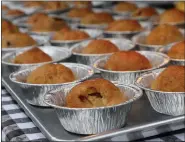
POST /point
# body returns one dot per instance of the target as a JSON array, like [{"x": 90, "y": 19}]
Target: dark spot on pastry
[
  {"x": 83, "y": 98},
  {"x": 8, "y": 44},
  {"x": 98, "y": 95}
]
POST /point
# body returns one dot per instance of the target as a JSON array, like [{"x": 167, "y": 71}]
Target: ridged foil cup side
[
  {"x": 92, "y": 120},
  {"x": 156, "y": 59},
  {"x": 170, "y": 103}
]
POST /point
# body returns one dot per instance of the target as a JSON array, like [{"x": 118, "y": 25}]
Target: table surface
[{"x": 17, "y": 126}]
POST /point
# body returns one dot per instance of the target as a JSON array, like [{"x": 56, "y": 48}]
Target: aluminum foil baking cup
[
  {"x": 11, "y": 17},
  {"x": 140, "y": 41},
  {"x": 89, "y": 59},
  {"x": 165, "y": 50},
  {"x": 55, "y": 53},
  {"x": 92, "y": 120},
  {"x": 156, "y": 59},
  {"x": 170, "y": 103},
  {"x": 81, "y": 72},
  {"x": 68, "y": 43},
  {"x": 126, "y": 34},
  {"x": 155, "y": 21},
  {"x": 39, "y": 39}
]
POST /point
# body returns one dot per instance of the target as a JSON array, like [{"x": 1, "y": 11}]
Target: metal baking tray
[{"x": 142, "y": 121}]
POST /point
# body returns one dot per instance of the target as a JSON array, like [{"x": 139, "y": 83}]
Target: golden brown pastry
[
  {"x": 48, "y": 24},
  {"x": 172, "y": 15},
  {"x": 37, "y": 17},
  {"x": 180, "y": 5},
  {"x": 177, "y": 51},
  {"x": 14, "y": 12},
  {"x": 55, "y": 5},
  {"x": 100, "y": 46},
  {"x": 144, "y": 12},
  {"x": 70, "y": 35},
  {"x": 124, "y": 25},
  {"x": 125, "y": 7},
  {"x": 8, "y": 27},
  {"x": 34, "y": 55},
  {"x": 127, "y": 61},
  {"x": 17, "y": 40},
  {"x": 94, "y": 93},
  {"x": 4, "y": 7},
  {"x": 97, "y": 18},
  {"x": 164, "y": 34},
  {"x": 79, "y": 12},
  {"x": 33, "y": 3},
  {"x": 51, "y": 74},
  {"x": 170, "y": 80},
  {"x": 82, "y": 3}
]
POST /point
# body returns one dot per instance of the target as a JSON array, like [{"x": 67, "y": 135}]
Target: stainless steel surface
[
  {"x": 68, "y": 43},
  {"x": 89, "y": 59},
  {"x": 81, "y": 72},
  {"x": 165, "y": 50},
  {"x": 41, "y": 40},
  {"x": 142, "y": 119},
  {"x": 140, "y": 41},
  {"x": 92, "y": 120},
  {"x": 170, "y": 103},
  {"x": 55, "y": 53},
  {"x": 156, "y": 59}
]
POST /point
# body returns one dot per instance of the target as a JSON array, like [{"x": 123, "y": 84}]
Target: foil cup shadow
[
  {"x": 170, "y": 103},
  {"x": 91, "y": 120}
]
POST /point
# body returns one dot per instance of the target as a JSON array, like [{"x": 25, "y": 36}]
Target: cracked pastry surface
[
  {"x": 144, "y": 12},
  {"x": 36, "y": 17},
  {"x": 67, "y": 34},
  {"x": 170, "y": 80},
  {"x": 177, "y": 51},
  {"x": 164, "y": 34},
  {"x": 125, "y": 6},
  {"x": 97, "y": 18},
  {"x": 172, "y": 15},
  {"x": 124, "y": 25},
  {"x": 51, "y": 74},
  {"x": 94, "y": 93},
  {"x": 100, "y": 46},
  {"x": 17, "y": 40},
  {"x": 130, "y": 61},
  {"x": 8, "y": 27},
  {"x": 34, "y": 55}
]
